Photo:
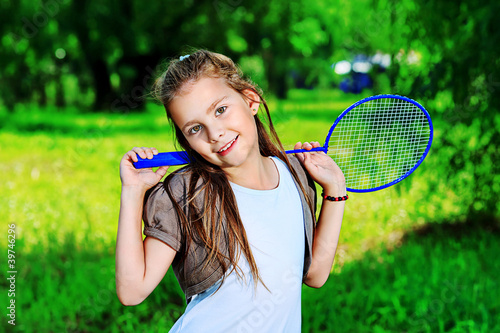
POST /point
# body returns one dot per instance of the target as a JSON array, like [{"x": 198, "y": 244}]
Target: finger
[
  {"x": 140, "y": 151},
  {"x": 162, "y": 171},
  {"x": 132, "y": 156},
  {"x": 307, "y": 146},
  {"x": 307, "y": 159},
  {"x": 315, "y": 144},
  {"x": 149, "y": 152},
  {"x": 129, "y": 156}
]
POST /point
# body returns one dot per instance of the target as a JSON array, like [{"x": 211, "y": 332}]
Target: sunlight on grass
[
  {"x": 66, "y": 185},
  {"x": 69, "y": 183},
  {"x": 61, "y": 187}
]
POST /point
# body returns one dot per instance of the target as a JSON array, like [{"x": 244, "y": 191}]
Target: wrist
[
  {"x": 133, "y": 190},
  {"x": 335, "y": 190},
  {"x": 335, "y": 199}
]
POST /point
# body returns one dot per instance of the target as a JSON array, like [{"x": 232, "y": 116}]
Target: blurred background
[{"x": 421, "y": 256}]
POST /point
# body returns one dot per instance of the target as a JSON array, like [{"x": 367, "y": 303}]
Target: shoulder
[
  {"x": 175, "y": 181},
  {"x": 166, "y": 202},
  {"x": 174, "y": 187},
  {"x": 164, "y": 205}
]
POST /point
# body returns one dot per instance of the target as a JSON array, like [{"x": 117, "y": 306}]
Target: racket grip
[
  {"x": 172, "y": 158},
  {"x": 181, "y": 157},
  {"x": 323, "y": 149}
]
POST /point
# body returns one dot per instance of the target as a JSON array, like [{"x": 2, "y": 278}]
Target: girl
[{"x": 237, "y": 224}]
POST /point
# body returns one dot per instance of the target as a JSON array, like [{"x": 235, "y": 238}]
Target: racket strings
[{"x": 381, "y": 141}]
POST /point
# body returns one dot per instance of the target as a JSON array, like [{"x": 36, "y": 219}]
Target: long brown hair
[{"x": 224, "y": 243}]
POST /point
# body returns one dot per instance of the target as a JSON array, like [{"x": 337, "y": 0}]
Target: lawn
[{"x": 409, "y": 259}]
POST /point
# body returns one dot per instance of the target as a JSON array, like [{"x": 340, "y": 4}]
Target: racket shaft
[
  {"x": 323, "y": 149},
  {"x": 181, "y": 157},
  {"x": 173, "y": 158}
]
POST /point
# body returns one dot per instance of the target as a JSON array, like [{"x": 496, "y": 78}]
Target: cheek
[
  {"x": 196, "y": 143},
  {"x": 191, "y": 142},
  {"x": 251, "y": 125},
  {"x": 245, "y": 122}
]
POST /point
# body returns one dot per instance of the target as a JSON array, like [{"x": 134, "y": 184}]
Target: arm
[
  {"x": 328, "y": 175},
  {"x": 140, "y": 266}
]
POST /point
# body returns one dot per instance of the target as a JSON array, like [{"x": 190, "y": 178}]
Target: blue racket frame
[
  {"x": 371, "y": 98},
  {"x": 181, "y": 157}
]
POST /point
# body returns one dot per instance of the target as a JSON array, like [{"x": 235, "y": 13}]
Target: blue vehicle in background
[
  {"x": 357, "y": 77},
  {"x": 355, "y": 83}
]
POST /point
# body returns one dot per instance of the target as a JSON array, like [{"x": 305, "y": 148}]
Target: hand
[
  {"x": 141, "y": 178},
  {"x": 322, "y": 169}
]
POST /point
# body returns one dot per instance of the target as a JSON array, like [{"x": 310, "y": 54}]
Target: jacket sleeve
[{"x": 161, "y": 220}]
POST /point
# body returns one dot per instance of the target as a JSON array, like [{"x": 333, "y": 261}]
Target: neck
[{"x": 259, "y": 174}]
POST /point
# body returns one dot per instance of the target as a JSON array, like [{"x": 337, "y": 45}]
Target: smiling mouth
[{"x": 228, "y": 145}]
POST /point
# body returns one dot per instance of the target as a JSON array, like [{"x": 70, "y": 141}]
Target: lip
[{"x": 229, "y": 146}]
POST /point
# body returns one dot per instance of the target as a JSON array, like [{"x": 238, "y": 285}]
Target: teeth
[{"x": 227, "y": 146}]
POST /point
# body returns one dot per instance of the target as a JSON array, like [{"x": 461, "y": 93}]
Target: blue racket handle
[
  {"x": 323, "y": 149},
  {"x": 181, "y": 157},
  {"x": 173, "y": 158}
]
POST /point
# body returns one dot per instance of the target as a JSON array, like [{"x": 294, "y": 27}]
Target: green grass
[
  {"x": 61, "y": 188},
  {"x": 70, "y": 287},
  {"x": 68, "y": 182},
  {"x": 443, "y": 278}
]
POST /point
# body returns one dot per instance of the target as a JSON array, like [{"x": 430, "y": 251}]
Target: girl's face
[{"x": 218, "y": 122}]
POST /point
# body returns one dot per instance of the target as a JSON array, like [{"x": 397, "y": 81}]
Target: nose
[{"x": 215, "y": 133}]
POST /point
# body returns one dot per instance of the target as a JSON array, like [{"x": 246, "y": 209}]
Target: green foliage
[
  {"x": 106, "y": 61},
  {"x": 63, "y": 195},
  {"x": 62, "y": 184},
  {"x": 69, "y": 286},
  {"x": 463, "y": 178},
  {"x": 70, "y": 153},
  {"x": 30, "y": 118},
  {"x": 441, "y": 280}
]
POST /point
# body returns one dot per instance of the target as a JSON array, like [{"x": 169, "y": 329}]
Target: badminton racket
[{"x": 377, "y": 142}]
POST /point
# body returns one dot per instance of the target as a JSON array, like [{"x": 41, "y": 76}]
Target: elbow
[
  {"x": 128, "y": 302},
  {"x": 130, "y": 292},
  {"x": 127, "y": 298},
  {"x": 316, "y": 282}
]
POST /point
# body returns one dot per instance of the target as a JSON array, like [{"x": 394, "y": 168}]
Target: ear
[{"x": 253, "y": 100}]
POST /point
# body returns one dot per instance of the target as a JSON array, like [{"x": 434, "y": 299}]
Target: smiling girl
[{"x": 238, "y": 223}]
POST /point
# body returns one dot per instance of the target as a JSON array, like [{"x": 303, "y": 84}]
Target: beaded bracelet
[{"x": 327, "y": 197}]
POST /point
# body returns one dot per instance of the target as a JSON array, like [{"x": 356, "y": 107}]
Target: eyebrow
[{"x": 210, "y": 108}]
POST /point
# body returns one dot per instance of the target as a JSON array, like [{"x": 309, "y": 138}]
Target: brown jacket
[{"x": 161, "y": 222}]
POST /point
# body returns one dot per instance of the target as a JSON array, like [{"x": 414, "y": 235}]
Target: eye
[
  {"x": 195, "y": 129},
  {"x": 220, "y": 110}
]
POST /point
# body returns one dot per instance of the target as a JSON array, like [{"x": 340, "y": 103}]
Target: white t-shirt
[{"x": 274, "y": 224}]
